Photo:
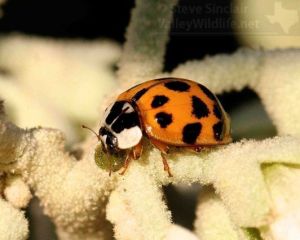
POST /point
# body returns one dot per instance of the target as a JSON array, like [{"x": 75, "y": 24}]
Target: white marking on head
[
  {"x": 106, "y": 112},
  {"x": 128, "y": 108},
  {"x": 103, "y": 138},
  {"x": 129, "y": 137}
]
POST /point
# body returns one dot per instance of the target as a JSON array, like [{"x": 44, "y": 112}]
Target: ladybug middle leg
[{"x": 163, "y": 148}]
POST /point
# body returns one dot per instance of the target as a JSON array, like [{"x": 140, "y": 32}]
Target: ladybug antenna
[{"x": 97, "y": 135}]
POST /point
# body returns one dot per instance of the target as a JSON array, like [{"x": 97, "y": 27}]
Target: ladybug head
[
  {"x": 108, "y": 140},
  {"x": 120, "y": 128}
]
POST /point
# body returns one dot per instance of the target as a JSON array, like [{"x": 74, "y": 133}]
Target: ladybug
[{"x": 169, "y": 112}]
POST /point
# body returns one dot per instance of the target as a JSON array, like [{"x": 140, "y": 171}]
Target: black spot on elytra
[
  {"x": 139, "y": 94},
  {"x": 190, "y": 132},
  {"x": 217, "y": 111},
  {"x": 207, "y": 92},
  {"x": 178, "y": 86},
  {"x": 199, "y": 107},
  {"x": 115, "y": 111},
  {"x": 125, "y": 121},
  {"x": 163, "y": 119},
  {"x": 159, "y": 100},
  {"x": 218, "y": 130}
]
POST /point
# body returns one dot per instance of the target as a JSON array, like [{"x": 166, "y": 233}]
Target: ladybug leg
[
  {"x": 160, "y": 146},
  {"x": 137, "y": 150},
  {"x": 163, "y": 148},
  {"x": 135, "y": 153},
  {"x": 126, "y": 163},
  {"x": 166, "y": 165},
  {"x": 110, "y": 170}
]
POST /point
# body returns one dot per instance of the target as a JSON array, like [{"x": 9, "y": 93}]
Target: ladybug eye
[
  {"x": 102, "y": 131},
  {"x": 111, "y": 142}
]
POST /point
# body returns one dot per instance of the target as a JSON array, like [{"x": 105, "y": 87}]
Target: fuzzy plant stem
[
  {"x": 132, "y": 211},
  {"x": 73, "y": 193},
  {"x": 13, "y": 224},
  {"x": 146, "y": 39}
]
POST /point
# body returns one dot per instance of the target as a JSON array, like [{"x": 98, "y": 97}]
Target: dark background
[{"x": 92, "y": 19}]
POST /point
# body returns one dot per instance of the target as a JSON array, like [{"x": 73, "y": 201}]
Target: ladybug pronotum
[{"x": 169, "y": 112}]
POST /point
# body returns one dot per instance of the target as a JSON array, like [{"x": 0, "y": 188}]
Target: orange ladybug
[{"x": 169, "y": 112}]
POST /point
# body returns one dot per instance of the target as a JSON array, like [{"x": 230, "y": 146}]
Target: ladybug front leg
[
  {"x": 137, "y": 150},
  {"x": 127, "y": 161},
  {"x": 163, "y": 148},
  {"x": 135, "y": 153}
]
